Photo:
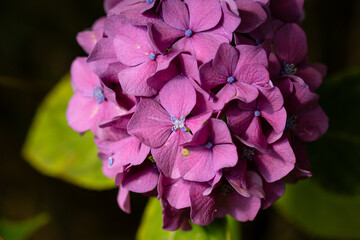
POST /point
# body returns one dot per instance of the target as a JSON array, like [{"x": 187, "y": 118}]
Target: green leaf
[
  {"x": 54, "y": 149},
  {"x": 151, "y": 227},
  {"x": 22, "y": 230},
  {"x": 319, "y": 212},
  {"x": 335, "y": 156}
]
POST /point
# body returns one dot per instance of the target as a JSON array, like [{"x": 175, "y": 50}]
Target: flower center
[
  {"x": 149, "y": 1},
  {"x": 152, "y": 56},
  {"x": 110, "y": 161},
  {"x": 291, "y": 122},
  {"x": 289, "y": 69},
  {"x": 98, "y": 94},
  {"x": 188, "y": 33},
  {"x": 248, "y": 153},
  {"x": 178, "y": 124},
  {"x": 230, "y": 79},
  {"x": 225, "y": 189},
  {"x": 257, "y": 113},
  {"x": 209, "y": 145}
]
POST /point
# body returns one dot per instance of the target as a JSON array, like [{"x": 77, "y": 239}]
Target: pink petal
[
  {"x": 169, "y": 154},
  {"x": 225, "y": 60},
  {"x": 252, "y": 15},
  {"x": 290, "y": 43},
  {"x": 79, "y": 112},
  {"x": 204, "y": 14},
  {"x": 178, "y": 97},
  {"x": 163, "y": 36},
  {"x": 251, "y": 55},
  {"x": 209, "y": 77},
  {"x": 151, "y": 124},
  {"x": 220, "y": 133},
  {"x": 238, "y": 119},
  {"x": 245, "y": 92},
  {"x": 134, "y": 47},
  {"x": 198, "y": 166},
  {"x": 311, "y": 77},
  {"x": 82, "y": 78},
  {"x": 176, "y": 14},
  {"x": 278, "y": 162},
  {"x": 273, "y": 191},
  {"x": 177, "y": 193},
  {"x": 253, "y": 135},
  {"x": 123, "y": 199},
  {"x": 277, "y": 121},
  {"x": 194, "y": 123},
  {"x": 133, "y": 80},
  {"x": 141, "y": 179},
  {"x": 270, "y": 99},
  {"x": 312, "y": 124},
  {"x": 224, "y": 156},
  {"x": 227, "y": 93},
  {"x": 202, "y": 206},
  {"x": 129, "y": 151}
]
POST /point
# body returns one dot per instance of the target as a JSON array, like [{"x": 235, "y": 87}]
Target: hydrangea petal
[
  {"x": 204, "y": 14},
  {"x": 176, "y": 14},
  {"x": 150, "y": 123}
]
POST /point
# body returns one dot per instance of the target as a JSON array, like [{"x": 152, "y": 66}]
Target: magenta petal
[
  {"x": 204, "y": 14},
  {"x": 245, "y": 92},
  {"x": 141, "y": 179},
  {"x": 252, "y": 74},
  {"x": 196, "y": 122},
  {"x": 238, "y": 119},
  {"x": 176, "y": 14},
  {"x": 205, "y": 45},
  {"x": 79, "y": 112},
  {"x": 311, "y": 76},
  {"x": 198, "y": 166},
  {"x": 123, "y": 199},
  {"x": 189, "y": 67},
  {"x": 82, "y": 78},
  {"x": 177, "y": 193},
  {"x": 277, "y": 120},
  {"x": 273, "y": 191},
  {"x": 88, "y": 39},
  {"x": 230, "y": 20},
  {"x": 163, "y": 36},
  {"x": 239, "y": 207},
  {"x": 130, "y": 151},
  {"x": 220, "y": 133},
  {"x": 278, "y": 162},
  {"x": 209, "y": 77},
  {"x": 134, "y": 47},
  {"x": 225, "y": 60},
  {"x": 290, "y": 43},
  {"x": 151, "y": 124},
  {"x": 251, "y": 55},
  {"x": 312, "y": 124},
  {"x": 202, "y": 206},
  {"x": 254, "y": 135},
  {"x": 270, "y": 100},
  {"x": 225, "y": 156},
  {"x": 169, "y": 154},
  {"x": 287, "y": 10},
  {"x": 173, "y": 218},
  {"x": 178, "y": 97},
  {"x": 252, "y": 15},
  {"x": 227, "y": 93},
  {"x": 133, "y": 80}
]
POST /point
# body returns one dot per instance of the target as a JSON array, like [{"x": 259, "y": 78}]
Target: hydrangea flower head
[{"x": 205, "y": 104}]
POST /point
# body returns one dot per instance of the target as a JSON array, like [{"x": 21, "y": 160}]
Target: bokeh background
[{"x": 37, "y": 45}]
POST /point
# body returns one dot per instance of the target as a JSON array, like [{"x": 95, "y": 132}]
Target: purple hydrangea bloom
[{"x": 206, "y": 104}]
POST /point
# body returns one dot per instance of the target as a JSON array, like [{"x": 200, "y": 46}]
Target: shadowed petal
[{"x": 225, "y": 60}]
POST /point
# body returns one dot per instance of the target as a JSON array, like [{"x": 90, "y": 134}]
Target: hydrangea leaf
[
  {"x": 151, "y": 227},
  {"x": 23, "y": 229},
  {"x": 56, "y": 150},
  {"x": 335, "y": 156},
  {"x": 319, "y": 212}
]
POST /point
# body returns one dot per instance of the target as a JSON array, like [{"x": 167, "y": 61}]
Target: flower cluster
[{"x": 206, "y": 104}]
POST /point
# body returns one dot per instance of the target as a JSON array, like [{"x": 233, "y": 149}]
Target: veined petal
[
  {"x": 204, "y": 14},
  {"x": 150, "y": 123}
]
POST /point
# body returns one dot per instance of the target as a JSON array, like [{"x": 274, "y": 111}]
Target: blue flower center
[
  {"x": 188, "y": 33},
  {"x": 257, "y": 113},
  {"x": 230, "y": 79},
  {"x": 209, "y": 145},
  {"x": 289, "y": 69},
  {"x": 98, "y": 94},
  {"x": 258, "y": 42},
  {"x": 110, "y": 161},
  {"x": 291, "y": 122},
  {"x": 152, "y": 56},
  {"x": 149, "y": 1},
  {"x": 248, "y": 153},
  {"x": 178, "y": 124}
]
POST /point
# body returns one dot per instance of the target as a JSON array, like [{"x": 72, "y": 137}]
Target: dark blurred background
[{"x": 37, "y": 45}]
